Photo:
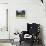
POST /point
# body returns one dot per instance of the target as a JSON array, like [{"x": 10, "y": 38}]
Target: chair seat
[{"x": 27, "y": 36}]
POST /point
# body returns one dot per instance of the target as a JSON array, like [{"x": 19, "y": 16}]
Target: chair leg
[
  {"x": 20, "y": 42},
  {"x": 32, "y": 42}
]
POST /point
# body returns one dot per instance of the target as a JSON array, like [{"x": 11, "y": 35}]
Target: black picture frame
[{"x": 20, "y": 13}]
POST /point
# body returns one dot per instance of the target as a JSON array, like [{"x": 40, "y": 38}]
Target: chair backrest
[{"x": 33, "y": 28}]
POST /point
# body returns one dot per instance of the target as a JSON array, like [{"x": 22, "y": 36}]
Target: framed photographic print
[{"x": 20, "y": 13}]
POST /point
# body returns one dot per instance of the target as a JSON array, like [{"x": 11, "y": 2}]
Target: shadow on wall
[{"x": 41, "y": 34}]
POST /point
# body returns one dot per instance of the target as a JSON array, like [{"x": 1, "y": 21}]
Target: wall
[{"x": 45, "y": 30}]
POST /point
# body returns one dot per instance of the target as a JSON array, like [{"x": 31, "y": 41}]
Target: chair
[{"x": 33, "y": 30}]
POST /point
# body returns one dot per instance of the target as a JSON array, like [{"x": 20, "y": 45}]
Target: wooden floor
[{"x": 27, "y": 44}]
